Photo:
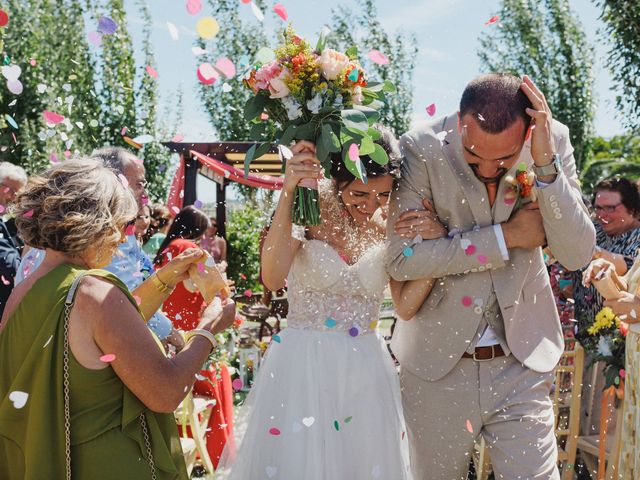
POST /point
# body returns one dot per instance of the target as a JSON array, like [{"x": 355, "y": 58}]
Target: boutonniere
[{"x": 521, "y": 189}]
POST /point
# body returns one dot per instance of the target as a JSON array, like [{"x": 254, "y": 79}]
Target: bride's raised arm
[
  {"x": 409, "y": 296},
  {"x": 279, "y": 246}
]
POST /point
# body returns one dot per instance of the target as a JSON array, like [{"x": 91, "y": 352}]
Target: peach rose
[
  {"x": 277, "y": 87},
  {"x": 332, "y": 63}
]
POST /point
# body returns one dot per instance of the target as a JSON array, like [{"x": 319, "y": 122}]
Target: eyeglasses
[{"x": 606, "y": 208}]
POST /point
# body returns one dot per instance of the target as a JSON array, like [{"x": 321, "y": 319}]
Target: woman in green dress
[{"x": 85, "y": 390}]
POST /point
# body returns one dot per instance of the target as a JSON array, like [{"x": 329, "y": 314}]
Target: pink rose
[
  {"x": 332, "y": 63},
  {"x": 277, "y": 87},
  {"x": 265, "y": 74}
]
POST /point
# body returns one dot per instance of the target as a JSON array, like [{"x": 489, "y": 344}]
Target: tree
[
  {"x": 622, "y": 20},
  {"x": 543, "y": 39},
  {"x": 363, "y": 29},
  {"x": 619, "y": 155}
]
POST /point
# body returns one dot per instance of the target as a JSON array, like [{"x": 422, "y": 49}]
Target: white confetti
[{"x": 173, "y": 31}]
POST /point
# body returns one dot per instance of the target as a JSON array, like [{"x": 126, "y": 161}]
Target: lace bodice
[{"x": 326, "y": 293}]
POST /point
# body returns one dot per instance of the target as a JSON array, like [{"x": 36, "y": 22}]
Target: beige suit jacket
[{"x": 433, "y": 342}]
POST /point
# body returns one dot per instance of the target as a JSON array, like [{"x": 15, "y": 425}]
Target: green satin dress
[{"x": 106, "y": 434}]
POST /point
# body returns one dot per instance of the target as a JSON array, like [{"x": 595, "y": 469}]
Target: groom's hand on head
[{"x": 525, "y": 229}]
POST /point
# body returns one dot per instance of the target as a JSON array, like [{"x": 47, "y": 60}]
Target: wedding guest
[
  {"x": 616, "y": 207},
  {"x": 183, "y": 308},
  {"x": 214, "y": 243},
  {"x": 143, "y": 220},
  {"x": 12, "y": 179},
  {"x": 157, "y": 232},
  {"x": 87, "y": 392}
]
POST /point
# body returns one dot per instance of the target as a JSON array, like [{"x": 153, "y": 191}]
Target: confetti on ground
[
  {"x": 469, "y": 426},
  {"x": 336, "y": 425},
  {"x": 152, "y": 71},
  {"x": 431, "y": 110},
  {"x": 18, "y": 398},
  {"x": 407, "y": 251},
  {"x": 237, "y": 384},
  {"x": 108, "y": 358},
  {"x": 194, "y": 7},
  {"x": 271, "y": 471},
  {"x": 376, "y": 56},
  {"x": 281, "y": 11},
  {"x": 330, "y": 322},
  {"x": 52, "y": 117},
  {"x": 470, "y": 250},
  {"x": 483, "y": 259},
  {"x": 257, "y": 12},
  {"x": 107, "y": 26},
  {"x": 274, "y": 431},
  {"x": 276, "y": 338},
  {"x": 492, "y": 20},
  {"x": 467, "y": 301},
  {"x": 354, "y": 331},
  {"x": 354, "y": 152},
  {"x": 207, "y": 27},
  {"x": 348, "y": 419},
  {"x": 308, "y": 421}
]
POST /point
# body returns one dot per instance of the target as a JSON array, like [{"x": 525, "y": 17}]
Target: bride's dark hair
[{"x": 343, "y": 177}]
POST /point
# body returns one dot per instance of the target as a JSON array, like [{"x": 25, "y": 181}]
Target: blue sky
[{"x": 446, "y": 30}]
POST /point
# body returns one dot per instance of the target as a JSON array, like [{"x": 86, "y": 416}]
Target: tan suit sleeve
[
  {"x": 431, "y": 258},
  {"x": 570, "y": 233}
]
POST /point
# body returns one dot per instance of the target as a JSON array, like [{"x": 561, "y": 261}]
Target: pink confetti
[
  {"x": 32, "y": 62},
  {"x": 137, "y": 299},
  {"x": 52, "y": 117},
  {"x": 151, "y": 71},
  {"x": 246, "y": 2},
  {"x": 227, "y": 67},
  {"x": 108, "y": 358},
  {"x": 376, "y": 56},
  {"x": 175, "y": 210},
  {"x": 123, "y": 131},
  {"x": 5, "y": 281},
  {"x": 509, "y": 201},
  {"x": 95, "y": 38},
  {"x": 207, "y": 74},
  {"x": 53, "y": 158},
  {"x": 194, "y": 7},
  {"x": 242, "y": 276},
  {"x": 200, "y": 267},
  {"x": 354, "y": 152},
  {"x": 469, "y": 426},
  {"x": 248, "y": 293},
  {"x": 3, "y": 208},
  {"x": 28, "y": 214},
  {"x": 178, "y": 137},
  {"x": 470, "y": 250},
  {"x": 274, "y": 431},
  {"x": 467, "y": 301},
  {"x": 492, "y": 20},
  {"x": 67, "y": 153},
  {"x": 281, "y": 11},
  {"x": 237, "y": 384},
  {"x": 483, "y": 259},
  {"x": 130, "y": 230},
  {"x": 431, "y": 110}
]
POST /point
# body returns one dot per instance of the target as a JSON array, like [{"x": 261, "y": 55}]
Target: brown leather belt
[{"x": 483, "y": 354}]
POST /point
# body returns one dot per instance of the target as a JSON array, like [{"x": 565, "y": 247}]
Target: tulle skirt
[{"x": 325, "y": 405}]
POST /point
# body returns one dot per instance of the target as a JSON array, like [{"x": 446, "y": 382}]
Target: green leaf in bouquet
[
  {"x": 356, "y": 168},
  {"x": 389, "y": 87},
  {"x": 329, "y": 138},
  {"x": 379, "y": 155},
  {"x": 351, "y": 134},
  {"x": 248, "y": 158},
  {"x": 352, "y": 52},
  {"x": 305, "y": 132},
  {"x": 372, "y": 87},
  {"x": 255, "y": 106},
  {"x": 355, "y": 119},
  {"x": 322, "y": 40},
  {"x": 258, "y": 130},
  {"x": 262, "y": 149},
  {"x": 374, "y": 134},
  {"x": 288, "y": 135},
  {"x": 371, "y": 113}
]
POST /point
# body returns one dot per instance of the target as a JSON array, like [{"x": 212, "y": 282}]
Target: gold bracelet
[
  {"x": 159, "y": 284},
  {"x": 202, "y": 333}
]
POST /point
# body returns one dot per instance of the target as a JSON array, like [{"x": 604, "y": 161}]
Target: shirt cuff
[{"x": 501, "y": 243}]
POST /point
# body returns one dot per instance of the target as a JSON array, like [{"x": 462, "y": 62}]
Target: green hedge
[{"x": 243, "y": 237}]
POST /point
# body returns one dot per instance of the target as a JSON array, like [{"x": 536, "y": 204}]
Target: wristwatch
[{"x": 552, "y": 168}]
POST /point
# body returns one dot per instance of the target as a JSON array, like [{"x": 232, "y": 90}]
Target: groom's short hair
[{"x": 497, "y": 100}]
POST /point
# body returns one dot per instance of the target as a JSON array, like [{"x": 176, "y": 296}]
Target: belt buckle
[{"x": 493, "y": 355}]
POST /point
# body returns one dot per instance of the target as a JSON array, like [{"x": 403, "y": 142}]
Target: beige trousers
[{"x": 502, "y": 400}]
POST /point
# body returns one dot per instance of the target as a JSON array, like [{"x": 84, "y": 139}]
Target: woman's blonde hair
[{"x": 74, "y": 205}]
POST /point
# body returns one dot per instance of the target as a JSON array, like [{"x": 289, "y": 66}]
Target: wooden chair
[
  {"x": 566, "y": 407},
  {"x": 589, "y": 450},
  {"x": 194, "y": 413}
]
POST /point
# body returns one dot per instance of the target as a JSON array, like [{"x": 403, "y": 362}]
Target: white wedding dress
[{"x": 326, "y": 403}]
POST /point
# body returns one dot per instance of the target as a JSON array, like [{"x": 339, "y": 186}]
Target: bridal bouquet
[
  {"x": 320, "y": 95},
  {"x": 606, "y": 343}
]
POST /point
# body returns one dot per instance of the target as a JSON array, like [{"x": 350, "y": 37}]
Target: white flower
[
  {"x": 332, "y": 63},
  {"x": 604, "y": 348},
  {"x": 294, "y": 109},
  {"x": 315, "y": 103},
  {"x": 357, "y": 97},
  {"x": 337, "y": 103}
]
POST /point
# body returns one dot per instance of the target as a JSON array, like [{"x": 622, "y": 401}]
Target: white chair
[{"x": 194, "y": 412}]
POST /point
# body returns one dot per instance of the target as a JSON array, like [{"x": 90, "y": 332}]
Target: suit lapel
[{"x": 473, "y": 188}]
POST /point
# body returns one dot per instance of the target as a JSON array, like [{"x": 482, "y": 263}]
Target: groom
[{"x": 478, "y": 357}]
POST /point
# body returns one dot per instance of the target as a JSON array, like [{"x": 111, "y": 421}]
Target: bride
[{"x": 326, "y": 403}]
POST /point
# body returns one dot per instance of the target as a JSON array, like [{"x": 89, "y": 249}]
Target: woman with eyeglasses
[{"x": 616, "y": 213}]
